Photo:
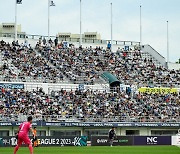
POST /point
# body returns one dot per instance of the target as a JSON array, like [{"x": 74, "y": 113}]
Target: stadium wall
[
  {"x": 154, "y": 53},
  {"x": 88, "y": 131}
]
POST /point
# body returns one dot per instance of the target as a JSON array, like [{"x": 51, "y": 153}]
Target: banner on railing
[
  {"x": 49, "y": 141},
  {"x": 96, "y": 124},
  {"x": 157, "y": 90},
  {"x": 11, "y": 86}
]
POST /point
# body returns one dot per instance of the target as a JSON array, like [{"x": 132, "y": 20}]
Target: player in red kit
[{"x": 23, "y": 135}]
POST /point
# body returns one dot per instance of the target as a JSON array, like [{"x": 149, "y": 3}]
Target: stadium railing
[
  {"x": 88, "y": 118},
  {"x": 93, "y": 41}
]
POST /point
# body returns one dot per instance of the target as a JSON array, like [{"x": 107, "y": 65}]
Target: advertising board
[
  {"x": 49, "y": 141},
  {"x": 152, "y": 140},
  {"x": 104, "y": 141},
  {"x": 175, "y": 140}
]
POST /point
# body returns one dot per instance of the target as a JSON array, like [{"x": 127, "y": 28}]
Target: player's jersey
[
  {"x": 34, "y": 132},
  {"x": 24, "y": 128}
]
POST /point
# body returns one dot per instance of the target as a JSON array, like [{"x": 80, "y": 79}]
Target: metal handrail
[{"x": 99, "y": 41}]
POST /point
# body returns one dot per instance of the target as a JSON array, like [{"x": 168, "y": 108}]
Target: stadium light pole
[
  {"x": 111, "y": 29},
  {"x": 167, "y": 42},
  {"x": 140, "y": 25},
  {"x": 50, "y": 3},
  {"x": 48, "y": 17},
  {"x": 15, "y": 28},
  {"x": 80, "y": 42}
]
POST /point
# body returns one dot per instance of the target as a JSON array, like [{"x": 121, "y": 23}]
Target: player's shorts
[
  {"x": 22, "y": 138},
  {"x": 35, "y": 139}
]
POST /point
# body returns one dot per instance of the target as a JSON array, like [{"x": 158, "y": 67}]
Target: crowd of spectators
[
  {"x": 79, "y": 65},
  {"x": 83, "y": 65},
  {"x": 28, "y": 63},
  {"x": 131, "y": 67},
  {"x": 89, "y": 105}
]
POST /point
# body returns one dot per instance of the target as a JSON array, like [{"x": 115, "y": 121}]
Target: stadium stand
[
  {"x": 132, "y": 67},
  {"x": 56, "y": 64},
  {"x": 91, "y": 106},
  {"x": 83, "y": 65},
  {"x": 22, "y": 63}
]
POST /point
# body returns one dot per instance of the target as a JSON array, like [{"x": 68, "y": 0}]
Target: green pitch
[{"x": 98, "y": 150}]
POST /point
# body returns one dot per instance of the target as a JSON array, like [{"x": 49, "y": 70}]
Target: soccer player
[
  {"x": 35, "y": 137},
  {"x": 112, "y": 135},
  {"x": 23, "y": 135}
]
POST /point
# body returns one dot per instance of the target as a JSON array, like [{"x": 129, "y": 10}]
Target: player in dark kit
[{"x": 112, "y": 135}]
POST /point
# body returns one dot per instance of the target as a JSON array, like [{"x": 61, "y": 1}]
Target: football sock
[
  {"x": 31, "y": 149},
  {"x": 16, "y": 149}
]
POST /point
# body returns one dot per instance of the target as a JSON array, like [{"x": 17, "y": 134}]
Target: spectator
[{"x": 56, "y": 41}]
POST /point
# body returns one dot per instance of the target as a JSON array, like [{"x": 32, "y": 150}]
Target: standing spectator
[
  {"x": 56, "y": 41},
  {"x": 128, "y": 91},
  {"x": 44, "y": 41},
  {"x": 109, "y": 45},
  {"x": 40, "y": 40},
  {"x": 50, "y": 41}
]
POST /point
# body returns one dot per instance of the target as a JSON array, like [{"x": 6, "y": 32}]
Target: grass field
[{"x": 98, "y": 150}]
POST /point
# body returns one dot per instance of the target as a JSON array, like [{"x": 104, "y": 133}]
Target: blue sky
[{"x": 32, "y": 15}]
